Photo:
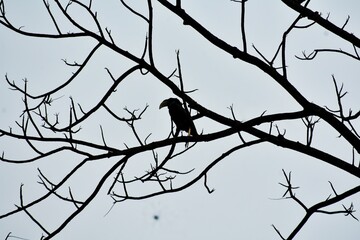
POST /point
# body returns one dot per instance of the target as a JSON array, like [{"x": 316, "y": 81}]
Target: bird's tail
[{"x": 192, "y": 131}]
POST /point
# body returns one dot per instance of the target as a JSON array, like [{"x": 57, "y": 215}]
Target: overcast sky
[{"x": 243, "y": 205}]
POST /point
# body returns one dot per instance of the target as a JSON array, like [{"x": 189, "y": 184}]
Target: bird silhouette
[{"x": 179, "y": 116}]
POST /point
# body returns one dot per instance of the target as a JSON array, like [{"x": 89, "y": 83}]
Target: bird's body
[{"x": 179, "y": 116}]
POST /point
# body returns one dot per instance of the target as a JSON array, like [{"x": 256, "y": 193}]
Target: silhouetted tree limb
[{"x": 316, "y": 208}]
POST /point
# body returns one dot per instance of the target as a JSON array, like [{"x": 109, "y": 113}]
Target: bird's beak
[{"x": 163, "y": 104}]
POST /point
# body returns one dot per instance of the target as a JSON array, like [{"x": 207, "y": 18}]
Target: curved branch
[
  {"x": 196, "y": 179},
  {"x": 325, "y": 23},
  {"x": 44, "y": 155},
  {"x": 47, "y": 94},
  {"x": 315, "y": 208},
  {"x": 101, "y": 102},
  {"x": 40, "y": 199},
  {"x": 90, "y": 198}
]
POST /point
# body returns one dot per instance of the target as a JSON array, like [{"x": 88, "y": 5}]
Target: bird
[{"x": 179, "y": 116}]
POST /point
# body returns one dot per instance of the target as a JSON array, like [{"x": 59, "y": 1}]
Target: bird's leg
[{"x": 187, "y": 143}]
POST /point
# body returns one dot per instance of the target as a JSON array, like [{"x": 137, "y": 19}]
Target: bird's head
[{"x": 168, "y": 102}]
